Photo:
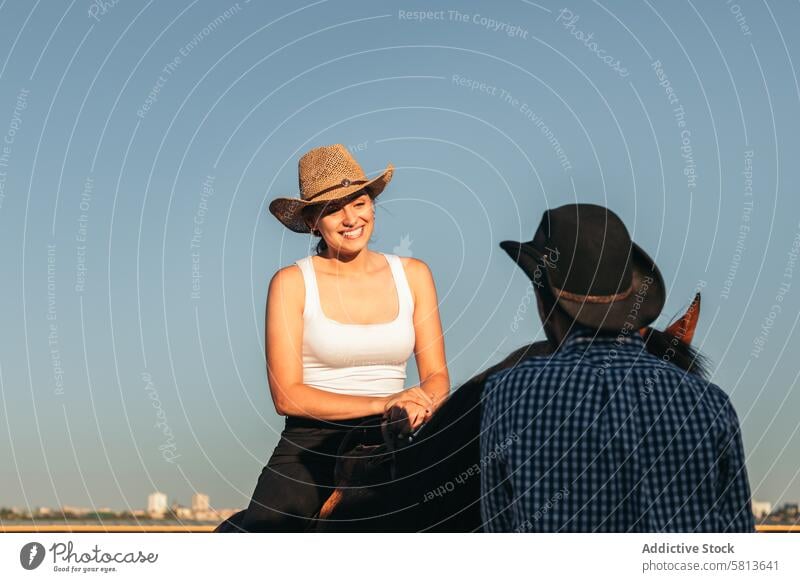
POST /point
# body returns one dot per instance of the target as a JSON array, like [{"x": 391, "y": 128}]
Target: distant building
[
  {"x": 223, "y": 514},
  {"x": 209, "y": 515},
  {"x": 42, "y": 511},
  {"x": 200, "y": 502},
  {"x": 183, "y": 512},
  {"x": 761, "y": 508},
  {"x": 791, "y": 509},
  {"x": 157, "y": 504},
  {"x": 74, "y": 510}
]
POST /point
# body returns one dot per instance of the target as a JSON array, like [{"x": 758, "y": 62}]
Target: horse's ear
[{"x": 683, "y": 329}]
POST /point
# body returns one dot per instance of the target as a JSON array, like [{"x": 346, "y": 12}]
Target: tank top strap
[
  {"x": 311, "y": 306},
  {"x": 404, "y": 294}
]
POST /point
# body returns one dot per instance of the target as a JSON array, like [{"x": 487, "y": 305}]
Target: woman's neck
[{"x": 347, "y": 264}]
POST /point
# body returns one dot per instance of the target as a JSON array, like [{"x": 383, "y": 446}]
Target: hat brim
[
  {"x": 289, "y": 210},
  {"x": 639, "y": 309}
]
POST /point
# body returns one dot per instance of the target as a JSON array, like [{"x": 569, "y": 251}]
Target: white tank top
[{"x": 355, "y": 358}]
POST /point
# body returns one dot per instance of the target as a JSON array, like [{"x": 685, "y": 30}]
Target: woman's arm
[
  {"x": 284, "y": 333},
  {"x": 429, "y": 346}
]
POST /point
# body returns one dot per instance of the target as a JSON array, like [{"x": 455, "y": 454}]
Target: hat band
[
  {"x": 343, "y": 184},
  {"x": 594, "y": 298}
]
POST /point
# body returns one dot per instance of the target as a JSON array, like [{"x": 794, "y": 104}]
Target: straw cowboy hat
[
  {"x": 326, "y": 173},
  {"x": 598, "y": 275}
]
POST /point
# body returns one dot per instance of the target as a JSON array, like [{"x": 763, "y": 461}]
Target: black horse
[{"x": 431, "y": 480}]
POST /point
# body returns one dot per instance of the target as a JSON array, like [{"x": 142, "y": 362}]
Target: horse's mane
[{"x": 670, "y": 348}]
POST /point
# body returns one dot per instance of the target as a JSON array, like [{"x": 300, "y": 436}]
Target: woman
[{"x": 340, "y": 327}]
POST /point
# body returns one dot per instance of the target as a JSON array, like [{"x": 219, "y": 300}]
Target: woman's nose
[{"x": 350, "y": 216}]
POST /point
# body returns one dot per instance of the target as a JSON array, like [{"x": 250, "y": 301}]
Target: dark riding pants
[{"x": 298, "y": 477}]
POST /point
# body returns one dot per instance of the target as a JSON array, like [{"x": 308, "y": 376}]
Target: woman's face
[{"x": 348, "y": 229}]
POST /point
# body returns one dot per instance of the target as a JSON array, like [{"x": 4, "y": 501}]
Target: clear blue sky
[{"x": 123, "y": 373}]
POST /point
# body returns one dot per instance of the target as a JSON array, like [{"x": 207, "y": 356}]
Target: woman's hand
[
  {"x": 405, "y": 416},
  {"x": 414, "y": 394}
]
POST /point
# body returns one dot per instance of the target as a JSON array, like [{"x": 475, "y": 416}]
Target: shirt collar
[{"x": 580, "y": 336}]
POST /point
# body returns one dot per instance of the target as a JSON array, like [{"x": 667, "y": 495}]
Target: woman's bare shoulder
[
  {"x": 287, "y": 280},
  {"x": 418, "y": 273},
  {"x": 413, "y": 265}
]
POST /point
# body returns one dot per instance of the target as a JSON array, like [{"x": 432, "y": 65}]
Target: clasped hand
[{"x": 406, "y": 411}]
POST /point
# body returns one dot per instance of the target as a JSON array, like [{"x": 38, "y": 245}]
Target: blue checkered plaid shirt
[{"x": 604, "y": 436}]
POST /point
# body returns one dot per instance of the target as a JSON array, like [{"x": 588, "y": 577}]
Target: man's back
[{"x": 603, "y": 436}]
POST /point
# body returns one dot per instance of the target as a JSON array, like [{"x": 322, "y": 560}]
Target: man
[{"x": 602, "y": 435}]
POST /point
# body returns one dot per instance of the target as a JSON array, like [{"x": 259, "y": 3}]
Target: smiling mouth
[{"x": 353, "y": 234}]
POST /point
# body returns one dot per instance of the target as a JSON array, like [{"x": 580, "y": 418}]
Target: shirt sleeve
[
  {"x": 495, "y": 486},
  {"x": 733, "y": 503}
]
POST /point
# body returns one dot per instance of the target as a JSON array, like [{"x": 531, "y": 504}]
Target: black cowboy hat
[{"x": 598, "y": 275}]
